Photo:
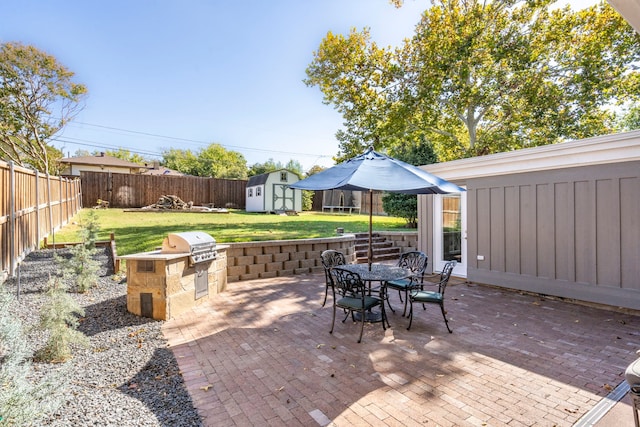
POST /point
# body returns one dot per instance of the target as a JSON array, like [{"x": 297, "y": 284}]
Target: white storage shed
[{"x": 270, "y": 192}]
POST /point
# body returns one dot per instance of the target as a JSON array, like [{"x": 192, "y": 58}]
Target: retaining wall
[{"x": 256, "y": 260}]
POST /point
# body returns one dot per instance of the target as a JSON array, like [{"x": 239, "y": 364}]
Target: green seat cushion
[
  {"x": 355, "y": 303},
  {"x": 400, "y": 284},
  {"x": 427, "y": 296}
]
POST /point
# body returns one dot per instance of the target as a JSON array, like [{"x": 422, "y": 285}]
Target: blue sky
[{"x": 183, "y": 74}]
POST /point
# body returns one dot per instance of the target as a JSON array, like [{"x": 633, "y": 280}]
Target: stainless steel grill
[{"x": 200, "y": 246}]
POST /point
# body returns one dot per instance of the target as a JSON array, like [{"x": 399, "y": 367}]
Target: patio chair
[
  {"x": 330, "y": 258},
  {"x": 416, "y": 262},
  {"x": 432, "y": 297},
  {"x": 353, "y": 298}
]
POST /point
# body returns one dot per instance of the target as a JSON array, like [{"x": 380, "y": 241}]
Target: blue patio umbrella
[{"x": 373, "y": 171}]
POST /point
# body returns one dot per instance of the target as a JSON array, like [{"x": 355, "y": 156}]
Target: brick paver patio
[{"x": 261, "y": 354}]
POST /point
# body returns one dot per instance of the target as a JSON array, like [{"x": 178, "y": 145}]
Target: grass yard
[{"x": 144, "y": 231}]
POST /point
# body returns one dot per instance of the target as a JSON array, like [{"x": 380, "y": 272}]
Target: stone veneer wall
[
  {"x": 171, "y": 282},
  {"x": 255, "y": 260}
]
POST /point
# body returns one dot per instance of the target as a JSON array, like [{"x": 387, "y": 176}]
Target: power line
[
  {"x": 94, "y": 144},
  {"x": 204, "y": 143}
]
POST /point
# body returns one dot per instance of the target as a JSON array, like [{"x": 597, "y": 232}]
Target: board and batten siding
[{"x": 572, "y": 232}]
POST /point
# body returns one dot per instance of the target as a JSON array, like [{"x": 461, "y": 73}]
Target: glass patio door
[{"x": 450, "y": 232}]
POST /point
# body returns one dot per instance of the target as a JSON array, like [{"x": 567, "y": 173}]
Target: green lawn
[{"x": 144, "y": 231}]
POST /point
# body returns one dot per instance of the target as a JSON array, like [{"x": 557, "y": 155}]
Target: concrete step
[
  {"x": 378, "y": 257},
  {"x": 383, "y": 250}
]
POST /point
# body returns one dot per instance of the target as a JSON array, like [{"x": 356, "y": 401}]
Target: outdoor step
[
  {"x": 381, "y": 248},
  {"x": 374, "y": 245},
  {"x": 379, "y": 257},
  {"x": 365, "y": 236},
  {"x": 391, "y": 251}
]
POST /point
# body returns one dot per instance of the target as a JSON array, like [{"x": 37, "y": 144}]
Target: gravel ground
[{"x": 126, "y": 376}]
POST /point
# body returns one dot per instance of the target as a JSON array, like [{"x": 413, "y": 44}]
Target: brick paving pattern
[{"x": 260, "y": 354}]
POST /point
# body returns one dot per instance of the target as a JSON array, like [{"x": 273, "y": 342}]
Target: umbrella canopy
[{"x": 374, "y": 171}]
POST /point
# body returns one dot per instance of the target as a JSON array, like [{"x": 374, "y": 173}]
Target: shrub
[
  {"x": 403, "y": 206},
  {"x": 60, "y": 317},
  {"x": 22, "y": 401},
  {"x": 81, "y": 267}
]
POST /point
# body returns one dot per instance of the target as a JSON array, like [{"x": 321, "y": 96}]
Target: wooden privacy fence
[
  {"x": 136, "y": 191},
  {"x": 32, "y": 206}
]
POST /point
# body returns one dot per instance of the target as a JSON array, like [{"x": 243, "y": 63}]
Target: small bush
[
  {"x": 23, "y": 401},
  {"x": 81, "y": 267},
  {"x": 60, "y": 317}
]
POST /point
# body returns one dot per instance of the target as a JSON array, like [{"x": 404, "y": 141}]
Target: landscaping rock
[{"x": 126, "y": 376}]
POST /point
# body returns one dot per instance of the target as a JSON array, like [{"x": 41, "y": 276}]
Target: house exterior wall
[
  {"x": 572, "y": 232},
  {"x": 560, "y": 220},
  {"x": 75, "y": 170}
]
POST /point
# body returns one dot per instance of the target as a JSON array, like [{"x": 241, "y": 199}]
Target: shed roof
[{"x": 262, "y": 178}]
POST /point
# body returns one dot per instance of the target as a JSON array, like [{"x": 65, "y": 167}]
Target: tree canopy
[
  {"x": 481, "y": 77},
  {"x": 271, "y": 165},
  {"x": 213, "y": 161},
  {"x": 37, "y": 98}
]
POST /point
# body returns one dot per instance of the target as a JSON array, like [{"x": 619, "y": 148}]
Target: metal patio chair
[
  {"x": 353, "y": 297},
  {"x": 416, "y": 262},
  {"x": 433, "y": 297},
  {"x": 330, "y": 258}
]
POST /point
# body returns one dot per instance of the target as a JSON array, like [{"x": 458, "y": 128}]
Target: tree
[
  {"x": 37, "y": 99},
  {"x": 630, "y": 119},
  {"x": 213, "y": 161},
  {"x": 59, "y": 316},
  {"x": 481, "y": 77},
  {"x": 266, "y": 167},
  {"x": 271, "y": 165},
  {"x": 406, "y": 205},
  {"x": 354, "y": 75}
]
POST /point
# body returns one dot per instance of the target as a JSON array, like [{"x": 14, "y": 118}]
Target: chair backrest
[
  {"x": 415, "y": 261},
  {"x": 445, "y": 275},
  {"x": 331, "y": 258},
  {"x": 347, "y": 282}
]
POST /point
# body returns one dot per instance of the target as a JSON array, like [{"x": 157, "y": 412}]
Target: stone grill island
[{"x": 165, "y": 283}]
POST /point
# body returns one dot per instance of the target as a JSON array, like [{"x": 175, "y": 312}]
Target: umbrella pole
[{"x": 370, "y": 252}]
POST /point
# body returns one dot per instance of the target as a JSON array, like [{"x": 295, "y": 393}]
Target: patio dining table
[{"x": 377, "y": 273}]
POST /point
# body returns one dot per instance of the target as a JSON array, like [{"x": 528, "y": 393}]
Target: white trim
[
  {"x": 621, "y": 147},
  {"x": 460, "y": 269}
]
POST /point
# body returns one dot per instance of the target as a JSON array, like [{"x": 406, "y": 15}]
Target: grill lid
[{"x": 199, "y": 245}]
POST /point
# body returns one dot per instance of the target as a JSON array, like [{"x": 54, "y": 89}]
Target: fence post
[
  {"x": 37, "y": 207},
  {"x": 12, "y": 219},
  {"x": 50, "y": 208}
]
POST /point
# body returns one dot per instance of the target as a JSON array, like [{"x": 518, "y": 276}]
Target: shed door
[
  {"x": 283, "y": 198},
  {"x": 450, "y": 232}
]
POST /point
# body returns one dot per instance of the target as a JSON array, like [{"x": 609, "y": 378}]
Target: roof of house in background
[
  {"x": 160, "y": 170},
  {"x": 100, "y": 160}
]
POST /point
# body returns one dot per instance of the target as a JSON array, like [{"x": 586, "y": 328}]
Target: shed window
[
  {"x": 258, "y": 191},
  {"x": 283, "y": 176},
  {"x": 250, "y": 192}
]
